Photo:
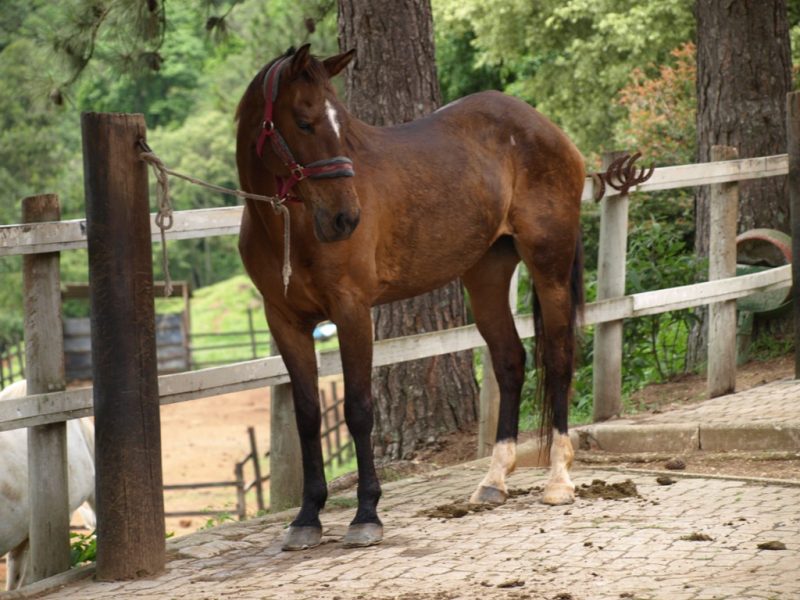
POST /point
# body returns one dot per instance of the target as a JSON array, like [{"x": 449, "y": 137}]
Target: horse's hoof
[
  {"x": 556, "y": 494},
  {"x": 361, "y": 535},
  {"x": 486, "y": 494},
  {"x": 302, "y": 537}
]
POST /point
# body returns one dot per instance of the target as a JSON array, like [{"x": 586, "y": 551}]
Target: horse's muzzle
[{"x": 335, "y": 228}]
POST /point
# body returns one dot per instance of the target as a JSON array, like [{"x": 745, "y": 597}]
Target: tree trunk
[
  {"x": 393, "y": 80},
  {"x": 743, "y": 76}
]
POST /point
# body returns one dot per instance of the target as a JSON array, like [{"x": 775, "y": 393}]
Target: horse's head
[{"x": 298, "y": 132}]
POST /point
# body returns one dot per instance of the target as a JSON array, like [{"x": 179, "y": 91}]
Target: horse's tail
[{"x": 548, "y": 409}]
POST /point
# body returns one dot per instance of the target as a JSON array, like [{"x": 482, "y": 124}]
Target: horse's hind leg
[
  {"x": 488, "y": 284},
  {"x": 557, "y": 279}
]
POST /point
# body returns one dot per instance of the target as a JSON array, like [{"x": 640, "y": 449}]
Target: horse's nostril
[
  {"x": 345, "y": 223},
  {"x": 340, "y": 223}
]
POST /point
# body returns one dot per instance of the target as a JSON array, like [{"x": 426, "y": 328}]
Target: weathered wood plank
[
  {"x": 71, "y": 235},
  {"x": 724, "y": 206},
  {"x": 667, "y": 178},
  {"x": 611, "y": 261},
  {"x": 48, "y": 490}
]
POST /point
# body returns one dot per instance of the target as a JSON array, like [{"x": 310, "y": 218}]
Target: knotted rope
[{"x": 164, "y": 217}]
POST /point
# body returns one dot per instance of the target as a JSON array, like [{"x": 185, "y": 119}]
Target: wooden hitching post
[
  {"x": 724, "y": 207},
  {"x": 130, "y": 502},
  {"x": 47, "y": 444}
]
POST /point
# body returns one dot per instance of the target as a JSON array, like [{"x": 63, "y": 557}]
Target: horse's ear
[
  {"x": 335, "y": 64},
  {"x": 300, "y": 61}
]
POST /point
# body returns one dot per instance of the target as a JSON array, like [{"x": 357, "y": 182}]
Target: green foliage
[
  {"x": 571, "y": 57},
  {"x": 659, "y": 257},
  {"x": 661, "y": 111},
  {"x": 216, "y": 520},
  {"x": 457, "y": 68},
  {"x": 83, "y": 548}
]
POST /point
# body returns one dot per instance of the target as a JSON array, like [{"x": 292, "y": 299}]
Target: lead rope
[{"x": 164, "y": 217}]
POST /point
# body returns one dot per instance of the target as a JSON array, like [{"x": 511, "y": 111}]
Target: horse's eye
[{"x": 305, "y": 126}]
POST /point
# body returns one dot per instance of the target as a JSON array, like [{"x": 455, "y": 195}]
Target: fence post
[
  {"x": 251, "y": 432},
  {"x": 241, "y": 506},
  {"x": 251, "y": 330},
  {"x": 20, "y": 354},
  {"x": 489, "y": 400},
  {"x": 607, "y": 361},
  {"x": 285, "y": 461},
  {"x": 793, "y": 138},
  {"x": 130, "y": 501},
  {"x": 488, "y": 407},
  {"x": 724, "y": 206},
  {"x": 47, "y": 444}
]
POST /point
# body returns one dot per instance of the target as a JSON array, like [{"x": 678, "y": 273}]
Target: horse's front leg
[
  {"x": 354, "y": 324},
  {"x": 296, "y": 346}
]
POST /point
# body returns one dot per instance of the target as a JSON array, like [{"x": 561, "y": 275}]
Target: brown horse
[{"x": 388, "y": 213}]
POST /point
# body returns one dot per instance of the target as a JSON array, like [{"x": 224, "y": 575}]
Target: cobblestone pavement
[
  {"x": 765, "y": 418},
  {"x": 593, "y": 549},
  {"x": 774, "y": 402}
]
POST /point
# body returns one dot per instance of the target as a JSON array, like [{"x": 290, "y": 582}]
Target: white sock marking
[
  {"x": 504, "y": 458},
  {"x": 330, "y": 110}
]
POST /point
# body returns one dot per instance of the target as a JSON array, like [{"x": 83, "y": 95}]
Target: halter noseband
[{"x": 338, "y": 166}]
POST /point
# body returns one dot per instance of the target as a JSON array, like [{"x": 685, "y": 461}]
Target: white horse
[{"x": 14, "y": 503}]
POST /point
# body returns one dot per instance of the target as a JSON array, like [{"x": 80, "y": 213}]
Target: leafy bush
[{"x": 83, "y": 548}]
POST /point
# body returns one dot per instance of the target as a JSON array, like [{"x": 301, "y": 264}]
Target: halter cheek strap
[{"x": 338, "y": 166}]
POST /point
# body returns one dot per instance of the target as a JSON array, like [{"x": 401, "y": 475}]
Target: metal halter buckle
[
  {"x": 268, "y": 126},
  {"x": 297, "y": 172}
]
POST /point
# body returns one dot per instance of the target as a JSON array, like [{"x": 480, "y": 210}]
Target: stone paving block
[
  {"x": 751, "y": 437},
  {"x": 665, "y": 437}
]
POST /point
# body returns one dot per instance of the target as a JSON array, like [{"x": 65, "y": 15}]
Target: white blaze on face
[
  {"x": 504, "y": 458},
  {"x": 513, "y": 141},
  {"x": 333, "y": 117}
]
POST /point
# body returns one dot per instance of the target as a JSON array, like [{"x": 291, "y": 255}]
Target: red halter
[{"x": 339, "y": 166}]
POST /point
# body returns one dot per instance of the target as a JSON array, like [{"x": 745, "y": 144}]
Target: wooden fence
[{"x": 53, "y": 407}]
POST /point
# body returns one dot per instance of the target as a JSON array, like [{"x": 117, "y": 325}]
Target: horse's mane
[{"x": 314, "y": 73}]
